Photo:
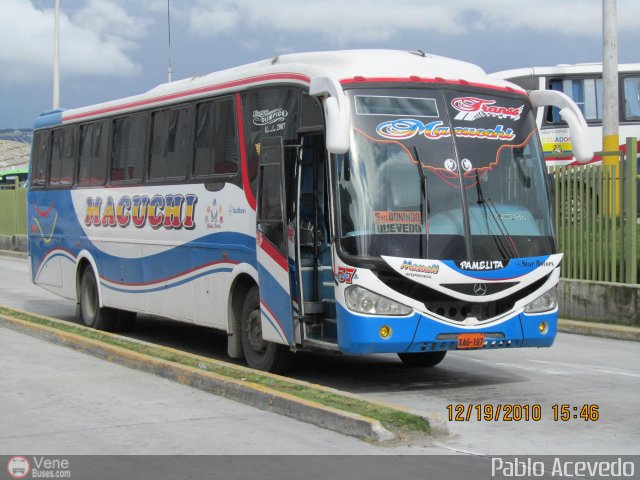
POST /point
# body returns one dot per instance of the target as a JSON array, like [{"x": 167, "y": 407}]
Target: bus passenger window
[
  {"x": 216, "y": 139},
  {"x": 93, "y": 154},
  {"x": 40, "y": 158},
  {"x": 129, "y": 142},
  {"x": 170, "y": 144},
  {"x": 632, "y": 98},
  {"x": 63, "y": 154},
  {"x": 586, "y": 92}
]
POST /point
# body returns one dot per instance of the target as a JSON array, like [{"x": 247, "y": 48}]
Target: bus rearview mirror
[{"x": 337, "y": 121}]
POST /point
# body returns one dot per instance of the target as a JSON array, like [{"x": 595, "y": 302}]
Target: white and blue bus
[
  {"x": 356, "y": 201},
  {"x": 584, "y": 85}
]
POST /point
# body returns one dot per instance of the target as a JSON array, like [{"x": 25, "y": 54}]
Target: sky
[{"x": 117, "y": 48}]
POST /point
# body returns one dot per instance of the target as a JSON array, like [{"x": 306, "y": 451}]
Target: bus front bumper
[{"x": 360, "y": 334}]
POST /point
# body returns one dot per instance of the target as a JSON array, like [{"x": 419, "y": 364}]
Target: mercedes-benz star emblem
[{"x": 479, "y": 288}]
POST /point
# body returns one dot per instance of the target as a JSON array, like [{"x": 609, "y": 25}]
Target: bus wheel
[
  {"x": 422, "y": 359},
  {"x": 259, "y": 353},
  {"x": 90, "y": 312}
]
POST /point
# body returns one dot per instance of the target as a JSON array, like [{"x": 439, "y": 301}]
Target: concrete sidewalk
[{"x": 58, "y": 401}]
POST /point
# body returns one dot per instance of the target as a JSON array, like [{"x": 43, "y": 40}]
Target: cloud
[
  {"x": 96, "y": 40},
  {"x": 340, "y": 22}
]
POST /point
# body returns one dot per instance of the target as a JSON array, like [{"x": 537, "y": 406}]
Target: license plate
[{"x": 471, "y": 340}]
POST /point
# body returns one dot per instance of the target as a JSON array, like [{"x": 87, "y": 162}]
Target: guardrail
[
  {"x": 13, "y": 211},
  {"x": 596, "y": 209}
]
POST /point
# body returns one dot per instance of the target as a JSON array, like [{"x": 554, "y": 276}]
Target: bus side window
[
  {"x": 63, "y": 155},
  {"x": 216, "y": 139},
  {"x": 170, "y": 144},
  {"x": 40, "y": 158},
  {"x": 632, "y": 98},
  {"x": 553, "y": 113},
  {"x": 93, "y": 154},
  {"x": 129, "y": 143}
]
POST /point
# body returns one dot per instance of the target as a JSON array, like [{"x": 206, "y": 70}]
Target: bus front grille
[{"x": 453, "y": 308}]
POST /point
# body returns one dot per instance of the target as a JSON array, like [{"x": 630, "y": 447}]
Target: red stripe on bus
[
  {"x": 186, "y": 93},
  {"x": 273, "y": 315},
  {"x": 464, "y": 83},
  {"x": 162, "y": 280},
  {"x": 272, "y": 251},
  {"x": 244, "y": 165}
]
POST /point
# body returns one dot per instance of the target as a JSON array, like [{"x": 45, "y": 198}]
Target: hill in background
[{"x": 22, "y": 135}]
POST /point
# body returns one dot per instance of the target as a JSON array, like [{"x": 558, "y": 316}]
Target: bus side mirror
[
  {"x": 570, "y": 113},
  {"x": 337, "y": 127},
  {"x": 336, "y": 113}
]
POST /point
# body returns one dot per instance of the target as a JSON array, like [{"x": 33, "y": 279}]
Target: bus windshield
[{"x": 444, "y": 173}]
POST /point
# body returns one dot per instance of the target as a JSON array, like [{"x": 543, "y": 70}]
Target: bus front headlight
[
  {"x": 362, "y": 300},
  {"x": 545, "y": 302}
]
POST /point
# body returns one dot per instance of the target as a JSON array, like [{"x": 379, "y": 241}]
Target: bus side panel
[{"x": 46, "y": 237}]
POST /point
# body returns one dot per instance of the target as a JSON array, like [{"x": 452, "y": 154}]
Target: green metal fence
[
  {"x": 13, "y": 211},
  {"x": 596, "y": 218}
]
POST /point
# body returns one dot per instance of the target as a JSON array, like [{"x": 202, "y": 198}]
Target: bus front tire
[
  {"x": 259, "y": 353},
  {"x": 90, "y": 312},
  {"x": 422, "y": 359}
]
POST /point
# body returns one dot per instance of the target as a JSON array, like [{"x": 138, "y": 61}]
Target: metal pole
[
  {"x": 610, "y": 140},
  {"x": 169, "y": 71},
  {"x": 56, "y": 56}
]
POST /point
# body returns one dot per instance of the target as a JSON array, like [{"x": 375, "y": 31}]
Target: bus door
[
  {"x": 313, "y": 252},
  {"x": 272, "y": 245}
]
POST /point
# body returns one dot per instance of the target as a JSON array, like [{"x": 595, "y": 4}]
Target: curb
[
  {"x": 13, "y": 253},
  {"x": 617, "y": 332},
  {"x": 257, "y": 396}
]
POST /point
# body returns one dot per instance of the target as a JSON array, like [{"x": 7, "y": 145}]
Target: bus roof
[
  {"x": 301, "y": 68},
  {"x": 563, "y": 69}
]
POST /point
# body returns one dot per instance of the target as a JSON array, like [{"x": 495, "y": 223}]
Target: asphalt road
[{"x": 576, "y": 371}]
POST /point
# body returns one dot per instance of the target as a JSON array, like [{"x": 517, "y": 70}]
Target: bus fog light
[
  {"x": 543, "y": 327},
  {"x": 385, "y": 332},
  {"x": 362, "y": 300},
  {"x": 545, "y": 302}
]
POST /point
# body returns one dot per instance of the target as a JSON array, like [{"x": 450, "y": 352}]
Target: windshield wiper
[{"x": 503, "y": 242}]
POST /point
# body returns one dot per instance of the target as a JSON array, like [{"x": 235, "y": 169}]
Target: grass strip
[{"x": 398, "y": 422}]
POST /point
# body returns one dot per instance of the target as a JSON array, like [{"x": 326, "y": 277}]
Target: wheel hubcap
[
  {"x": 254, "y": 333},
  {"x": 88, "y": 304}
]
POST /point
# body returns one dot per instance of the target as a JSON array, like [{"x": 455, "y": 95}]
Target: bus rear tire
[
  {"x": 90, "y": 312},
  {"x": 422, "y": 359},
  {"x": 260, "y": 354}
]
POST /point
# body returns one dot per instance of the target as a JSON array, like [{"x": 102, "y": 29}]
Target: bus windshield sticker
[
  {"x": 403, "y": 228},
  {"x": 396, "y": 106},
  {"x": 347, "y": 274},
  {"x": 267, "y": 117},
  {"x": 482, "y": 264},
  {"x": 412, "y": 268},
  {"x": 408, "y": 127},
  {"x": 406, "y": 218},
  {"x": 472, "y": 108}
]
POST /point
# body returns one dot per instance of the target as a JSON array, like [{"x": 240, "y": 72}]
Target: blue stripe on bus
[
  {"x": 267, "y": 315},
  {"x": 277, "y": 300},
  {"x": 165, "y": 287},
  {"x": 51, "y": 118}
]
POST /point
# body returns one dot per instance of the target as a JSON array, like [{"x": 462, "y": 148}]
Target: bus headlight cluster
[
  {"x": 362, "y": 300},
  {"x": 545, "y": 302}
]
